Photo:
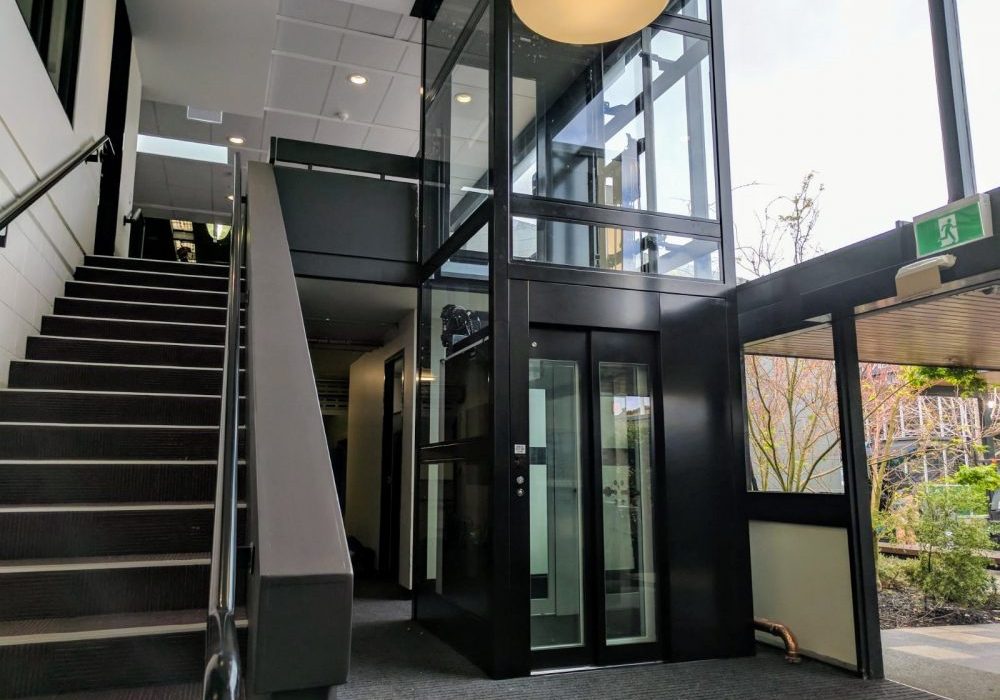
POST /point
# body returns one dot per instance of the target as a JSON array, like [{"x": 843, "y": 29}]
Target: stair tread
[
  {"x": 78, "y": 339},
  {"x": 123, "y": 561},
  {"x": 55, "y": 629},
  {"x": 174, "y": 691}
]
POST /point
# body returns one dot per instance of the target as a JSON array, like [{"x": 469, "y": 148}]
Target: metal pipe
[
  {"x": 792, "y": 654},
  {"x": 222, "y": 668}
]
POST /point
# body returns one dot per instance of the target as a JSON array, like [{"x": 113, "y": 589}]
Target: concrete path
[{"x": 961, "y": 662}]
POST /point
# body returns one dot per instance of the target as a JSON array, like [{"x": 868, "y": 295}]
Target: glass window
[
  {"x": 55, "y": 29},
  {"x": 695, "y": 9},
  {"x": 442, "y": 34},
  {"x": 458, "y": 532},
  {"x": 793, "y": 424},
  {"x": 978, "y": 20},
  {"x": 456, "y": 147},
  {"x": 609, "y": 248},
  {"x": 455, "y": 374},
  {"x": 592, "y": 125}
]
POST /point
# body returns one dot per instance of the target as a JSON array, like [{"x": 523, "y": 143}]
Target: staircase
[{"x": 108, "y": 441}]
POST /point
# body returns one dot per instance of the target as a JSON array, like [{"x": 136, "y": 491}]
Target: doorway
[
  {"x": 592, "y": 487},
  {"x": 392, "y": 467}
]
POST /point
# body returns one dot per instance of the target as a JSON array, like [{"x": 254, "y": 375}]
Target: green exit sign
[{"x": 956, "y": 224}]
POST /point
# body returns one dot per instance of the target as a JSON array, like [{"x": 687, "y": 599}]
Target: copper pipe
[{"x": 792, "y": 654}]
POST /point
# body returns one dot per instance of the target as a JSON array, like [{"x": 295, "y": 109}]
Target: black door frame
[
  {"x": 391, "y": 474},
  {"x": 594, "y": 345}
]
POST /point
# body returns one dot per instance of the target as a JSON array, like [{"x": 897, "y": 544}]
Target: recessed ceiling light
[
  {"x": 463, "y": 98},
  {"x": 237, "y": 140},
  {"x": 229, "y": 197},
  {"x": 358, "y": 79}
]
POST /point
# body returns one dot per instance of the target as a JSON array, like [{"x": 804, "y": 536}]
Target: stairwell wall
[{"x": 47, "y": 242}]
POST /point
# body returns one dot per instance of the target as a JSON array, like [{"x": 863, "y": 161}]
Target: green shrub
[
  {"x": 983, "y": 480},
  {"x": 896, "y": 573},
  {"x": 951, "y": 568}
]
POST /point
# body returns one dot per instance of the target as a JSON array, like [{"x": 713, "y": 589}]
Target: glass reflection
[
  {"x": 626, "y": 417},
  {"x": 626, "y": 124}
]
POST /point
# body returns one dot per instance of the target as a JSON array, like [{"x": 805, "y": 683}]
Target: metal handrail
[
  {"x": 40, "y": 188},
  {"x": 222, "y": 667}
]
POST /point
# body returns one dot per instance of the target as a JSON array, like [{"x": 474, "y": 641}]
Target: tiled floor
[{"x": 960, "y": 662}]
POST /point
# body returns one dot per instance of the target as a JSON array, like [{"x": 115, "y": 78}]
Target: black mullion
[
  {"x": 469, "y": 228},
  {"x": 431, "y": 91},
  {"x": 724, "y": 187}
]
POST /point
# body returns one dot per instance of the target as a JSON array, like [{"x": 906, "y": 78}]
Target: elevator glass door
[{"x": 591, "y": 498}]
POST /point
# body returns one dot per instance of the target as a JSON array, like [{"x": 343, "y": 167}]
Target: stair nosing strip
[
  {"x": 147, "y": 272},
  {"x": 114, "y": 462},
  {"x": 118, "y": 364},
  {"x": 111, "y": 633},
  {"x": 221, "y": 266},
  {"x": 71, "y": 565},
  {"x": 131, "y": 426},
  {"x": 143, "y": 286},
  {"x": 109, "y": 507},
  {"x": 113, "y": 393},
  {"x": 123, "y": 340},
  {"x": 140, "y": 303},
  {"x": 136, "y": 320}
]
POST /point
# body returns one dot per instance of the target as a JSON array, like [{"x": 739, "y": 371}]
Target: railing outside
[{"x": 222, "y": 670}]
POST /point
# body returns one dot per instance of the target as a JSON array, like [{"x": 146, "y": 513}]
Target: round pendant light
[{"x": 587, "y": 21}]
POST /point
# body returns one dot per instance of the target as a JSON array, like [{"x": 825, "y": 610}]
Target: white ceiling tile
[
  {"x": 308, "y": 40},
  {"x": 372, "y": 21},
  {"x": 410, "y": 65},
  {"x": 406, "y": 27},
  {"x": 188, "y": 173},
  {"x": 289, "y": 126},
  {"x": 359, "y": 102},
  {"x": 389, "y": 140},
  {"x": 193, "y": 197},
  {"x": 341, "y": 134},
  {"x": 418, "y": 33},
  {"x": 173, "y": 123},
  {"x": 372, "y": 52},
  {"x": 401, "y": 106},
  {"x": 298, "y": 85},
  {"x": 331, "y": 12},
  {"x": 147, "y": 118}
]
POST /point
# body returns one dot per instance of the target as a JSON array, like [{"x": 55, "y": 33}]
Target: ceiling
[
  {"x": 285, "y": 76},
  {"x": 352, "y": 312},
  {"x": 960, "y": 330}
]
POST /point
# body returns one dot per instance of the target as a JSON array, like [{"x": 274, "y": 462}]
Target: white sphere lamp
[{"x": 587, "y": 21}]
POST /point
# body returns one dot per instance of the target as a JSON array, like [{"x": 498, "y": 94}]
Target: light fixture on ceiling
[
  {"x": 587, "y": 21},
  {"x": 218, "y": 232},
  {"x": 463, "y": 98},
  {"x": 230, "y": 197},
  {"x": 237, "y": 140},
  {"x": 358, "y": 79}
]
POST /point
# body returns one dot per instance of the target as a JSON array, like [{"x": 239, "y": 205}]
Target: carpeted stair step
[
  {"x": 152, "y": 295},
  {"x": 54, "y": 406},
  {"x": 46, "y": 482},
  {"x": 42, "y": 588},
  {"x": 105, "y": 651},
  {"x": 147, "y": 265},
  {"x": 126, "y": 352},
  {"x": 151, "y": 279},
  {"x": 31, "y": 441},
  {"x": 107, "y": 529},
  {"x": 117, "y": 329},
  {"x": 136, "y": 311},
  {"x": 151, "y": 379}
]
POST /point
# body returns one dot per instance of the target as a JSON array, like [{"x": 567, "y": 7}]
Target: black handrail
[
  {"x": 40, "y": 188},
  {"x": 222, "y": 668}
]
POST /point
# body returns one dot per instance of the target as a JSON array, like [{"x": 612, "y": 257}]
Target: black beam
[
  {"x": 867, "y": 636},
  {"x": 825, "y": 509},
  {"x": 426, "y": 9},
  {"x": 952, "y": 103}
]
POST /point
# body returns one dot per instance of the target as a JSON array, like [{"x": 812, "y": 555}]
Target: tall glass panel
[
  {"x": 978, "y": 22},
  {"x": 456, "y": 141},
  {"x": 695, "y": 9},
  {"x": 455, "y": 352},
  {"x": 626, "y": 418},
  {"x": 626, "y": 124},
  {"x": 555, "y": 508},
  {"x": 443, "y": 32}
]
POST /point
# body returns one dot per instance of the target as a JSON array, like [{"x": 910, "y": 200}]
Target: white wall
[
  {"x": 802, "y": 579},
  {"x": 129, "y": 140},
  {"x": 364, "y": 445},
  {"x": 46, "y": 243}
]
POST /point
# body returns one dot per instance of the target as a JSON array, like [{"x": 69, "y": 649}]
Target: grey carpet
[{"x": 394, "y": 658}]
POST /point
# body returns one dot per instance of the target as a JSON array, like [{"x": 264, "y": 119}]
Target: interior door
[{"x": 591, "y": 484}]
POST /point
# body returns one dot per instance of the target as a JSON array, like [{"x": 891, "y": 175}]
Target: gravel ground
[{"x": 906, "y": 609}]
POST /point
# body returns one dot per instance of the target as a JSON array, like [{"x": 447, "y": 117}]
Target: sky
[{"x": 846, "y": 89}]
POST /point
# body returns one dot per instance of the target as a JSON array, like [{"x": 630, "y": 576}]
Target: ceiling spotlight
[
  {"x": 358, "y": 79},
  {"x": 463, "y": 98},
  {"x": 237, "y": 140},
  {"x": 230, "y": 197},
  {"x": 593, "y": 22}
]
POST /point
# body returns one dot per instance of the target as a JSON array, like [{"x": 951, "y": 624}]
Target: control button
[
  {"x": 519, "y": 492},
  {"x": 519, "y": 480}
]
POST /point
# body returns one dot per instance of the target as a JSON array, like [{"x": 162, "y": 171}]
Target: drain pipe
[{"x": 792, "y": 654}]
